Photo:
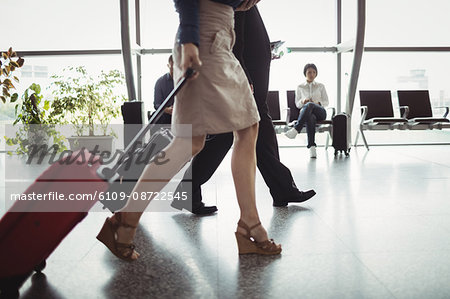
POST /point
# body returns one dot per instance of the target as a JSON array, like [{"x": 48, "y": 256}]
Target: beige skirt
[{"x": 220, "y": 99}]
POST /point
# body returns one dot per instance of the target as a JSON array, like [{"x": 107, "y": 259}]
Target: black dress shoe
[
  {"x": 197, "y": 209},
  {"x": 304, "y": 196}
]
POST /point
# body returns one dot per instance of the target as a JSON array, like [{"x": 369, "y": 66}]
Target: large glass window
[
  {"x": 60, "y": 25},
  {"x": 87, "y": 25},
  {"x": 300, "y": 23},
  {"x": 39, "y": 70},
  {"x": 407, "y": 23},
  {"x": 349, "y": 20},
  {"x": 159, "y": 24}
]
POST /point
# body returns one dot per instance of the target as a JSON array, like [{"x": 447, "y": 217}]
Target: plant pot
[
  {"x": 37, "y": 137},
  {"x": 91, "y": 143}
]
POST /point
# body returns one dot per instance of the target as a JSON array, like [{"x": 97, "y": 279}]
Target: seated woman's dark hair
[{"x": 309, "y": 65}]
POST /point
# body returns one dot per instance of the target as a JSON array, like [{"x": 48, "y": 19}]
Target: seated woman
[{"x": 311, "y": 98}]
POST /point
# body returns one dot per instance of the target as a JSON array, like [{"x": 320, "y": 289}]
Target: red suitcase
[{"x": 28, "y": 236}]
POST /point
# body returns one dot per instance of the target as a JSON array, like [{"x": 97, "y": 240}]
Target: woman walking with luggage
[{"x": 217, "y": 99}]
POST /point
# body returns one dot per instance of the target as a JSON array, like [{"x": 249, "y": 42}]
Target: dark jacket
[{"x": 163, "y": 87}]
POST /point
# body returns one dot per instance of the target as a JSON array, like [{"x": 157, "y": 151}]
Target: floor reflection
[
  {"x": 41, "y": 288},
  {"x": 377, "y": 228}
]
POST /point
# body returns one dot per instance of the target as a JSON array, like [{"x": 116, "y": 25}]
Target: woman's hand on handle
[{"x": 190, "y": 58}]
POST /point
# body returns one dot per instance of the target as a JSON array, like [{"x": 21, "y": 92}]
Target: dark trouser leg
[
  {"x": 311, "y": 130},
  {"x": 275, "y": 174},
  {"x": 203, "y": 166},
  {"x": 257, "y": 57},
  {"x": 304, "y": 115},
  {"x": 318, "y": 114}
]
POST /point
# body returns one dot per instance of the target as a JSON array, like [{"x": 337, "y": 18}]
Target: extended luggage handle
[{"x": 110, "y": 174}]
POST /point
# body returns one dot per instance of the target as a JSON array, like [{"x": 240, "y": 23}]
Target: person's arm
[
  {"x": 239, "y": 46},
  {"x": 159, "y": 95},
  {"x": 323, "y": 96},
  {"x": 188, "y": 34},
  {"x": 299, "y": 97},
  {"x": 188, "y": 31}
]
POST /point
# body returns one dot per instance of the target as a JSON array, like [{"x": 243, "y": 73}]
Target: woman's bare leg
[
  {"x": 153, "y": 179},
  {"x": 243, "y": 166}
]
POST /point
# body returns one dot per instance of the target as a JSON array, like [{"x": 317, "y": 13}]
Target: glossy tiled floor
[{"x": 379, "y": 227}]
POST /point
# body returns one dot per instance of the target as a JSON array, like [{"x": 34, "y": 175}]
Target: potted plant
[
  {"x": 89, "y": 104},
  {"x": 37, "y": 127}
]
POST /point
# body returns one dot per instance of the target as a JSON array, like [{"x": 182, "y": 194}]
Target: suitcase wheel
[
  {"x": 38, "y": 268},
  {"x": 9, "y": 293},
  {"x": 9, "y": 286}
]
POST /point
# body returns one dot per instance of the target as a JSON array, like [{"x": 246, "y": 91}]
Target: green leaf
[
  {"x": 20, "y": 61},
  {"x": 9, "y": 141},
  {"x": 16, "y": 79},
  {"x": 14, "y": 97},
  {"x": 3, "y": 99}
]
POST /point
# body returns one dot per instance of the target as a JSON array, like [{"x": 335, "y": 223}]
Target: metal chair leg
[
  {"x": 328, "y": 140},
  {"x": 364, "y": 140},
  {"x": 356, "y": 139}
]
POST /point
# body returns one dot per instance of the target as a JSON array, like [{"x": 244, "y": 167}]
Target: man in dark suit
[{"x": 252, "y": 48}]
